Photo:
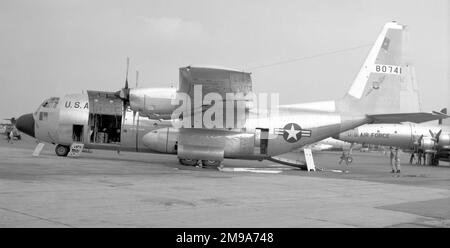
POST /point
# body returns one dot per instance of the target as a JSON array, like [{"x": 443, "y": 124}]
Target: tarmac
[{"x": 107, "y": 189}]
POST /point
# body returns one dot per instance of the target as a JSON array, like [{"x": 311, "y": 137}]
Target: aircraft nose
[{"x": 25, "y": 124}]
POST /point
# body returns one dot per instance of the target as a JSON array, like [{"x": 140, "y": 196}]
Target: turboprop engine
[
  {"x": 444, "y": 141},
  {"x": 162, "y": 140},
  {"x": 433, "y": 142},
  {"x": 427, "y": 144}
]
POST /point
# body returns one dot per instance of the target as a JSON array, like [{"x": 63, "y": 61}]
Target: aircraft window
[
  {"x": 43, "y": 116},
  {"x": 54, "y": 102},
  {"x": 51, "y": 103}
]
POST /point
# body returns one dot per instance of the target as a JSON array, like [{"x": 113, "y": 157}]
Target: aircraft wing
[
  {"x": 410, "y": 117},
  {"x": 214, "y": 80},
  {"x": 206, "y": 85}
]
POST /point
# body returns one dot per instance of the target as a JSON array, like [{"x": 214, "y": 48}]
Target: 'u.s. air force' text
[{"x": 371, "y": 135}]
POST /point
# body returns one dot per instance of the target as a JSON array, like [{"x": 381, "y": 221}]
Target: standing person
[
  {"x": 412, "y": 158},
  {"x": 9, "y": 134},
  {"x": 419, "y": 157},
  {"x": 397, "y": 161},
  {"x": 343, "y": 158},
  {"x": 391, "y": 158}
]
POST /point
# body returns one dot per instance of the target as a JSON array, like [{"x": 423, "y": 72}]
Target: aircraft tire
[
  {"x": 61, "y": 150},
  {"x": 188, "y": 162},
  {"x": 211, "y": 162}
]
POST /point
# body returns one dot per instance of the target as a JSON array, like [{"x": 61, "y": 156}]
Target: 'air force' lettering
[{"x": 375, "y": 135}]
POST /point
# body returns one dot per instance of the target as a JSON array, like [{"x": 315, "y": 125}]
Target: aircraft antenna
[{"x": 287, "y": 61}]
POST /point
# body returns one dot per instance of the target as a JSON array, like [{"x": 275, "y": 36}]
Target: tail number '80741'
[{"x": 389, "y": 69}]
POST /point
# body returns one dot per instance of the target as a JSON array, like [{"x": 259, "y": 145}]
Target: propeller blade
[
  {"x": 12, "y": 120},
  {"x": 124, "y": 95},
  {"x": 137, "y": 78},
  {"x": 126, "y": 76},
  {"x": 438, "y": 135},
  {"x": 432, "y": 134}
]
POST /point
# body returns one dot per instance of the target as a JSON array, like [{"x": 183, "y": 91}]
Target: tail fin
[
  {"x": 385, "y": 82},
  {"x": 444, "y": 111}
]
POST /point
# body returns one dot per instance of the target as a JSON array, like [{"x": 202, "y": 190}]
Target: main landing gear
[
  {"x": 194, "y": 162},
  {"x": 188, "y": 162},
  {"x": 61, "y": 150}
]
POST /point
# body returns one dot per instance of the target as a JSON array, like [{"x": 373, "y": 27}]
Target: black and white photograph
[{"x": 235, "y": 116}]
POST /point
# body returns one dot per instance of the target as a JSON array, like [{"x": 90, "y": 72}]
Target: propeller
[
  {"x": 435, "y": 137},
  {"x": 137, "y": 78},
  {"x": 124, "y": 95},
  {"x": 12, "y": 120}
]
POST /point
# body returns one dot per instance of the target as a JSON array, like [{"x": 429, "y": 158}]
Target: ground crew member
[
  {"x": 419, "y": 157},
  {"x": 343, "y": 158},
  {"x": 391, "y": 158},
  {"x": 397, "y": 161},
  {"x": 9, "y": 135},
  {"x": 412, "y": 158}
]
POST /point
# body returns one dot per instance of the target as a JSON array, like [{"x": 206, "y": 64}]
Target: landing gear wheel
[
  {"x": 188, "y": 162},
  {"x": 211, "y": 162},
  {"x": 61, "y": 150}
]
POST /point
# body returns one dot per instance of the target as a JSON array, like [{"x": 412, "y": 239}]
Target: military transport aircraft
[
  {"x": 430, "y": 139},
  {"x": 143, "y": 120}
]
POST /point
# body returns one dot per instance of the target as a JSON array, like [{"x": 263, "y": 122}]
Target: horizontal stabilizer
[{"x": 410, "y": 117}]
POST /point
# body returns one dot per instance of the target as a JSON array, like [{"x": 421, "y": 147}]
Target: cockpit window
[
  {"x": 43, "y": 116},
  {"x": 51, "y": 102}
]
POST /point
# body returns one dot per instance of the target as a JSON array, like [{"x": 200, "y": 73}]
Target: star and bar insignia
[{"x": 292, "y": 132}]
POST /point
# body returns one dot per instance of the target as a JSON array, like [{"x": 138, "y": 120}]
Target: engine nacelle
[
  {"x": 153, "y": 102},
  {"x": 444, "y": 141},
  {"x": 162, "y": 140},
  {"x": 427, "y": 144}
]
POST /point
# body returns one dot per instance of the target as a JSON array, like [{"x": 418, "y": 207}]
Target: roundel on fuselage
[{"x": 292, "y": 132}]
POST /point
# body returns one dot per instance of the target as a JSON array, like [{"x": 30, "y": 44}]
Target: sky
[{"x": 53, "y": 48}]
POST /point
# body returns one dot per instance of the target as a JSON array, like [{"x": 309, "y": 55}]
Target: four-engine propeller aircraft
[
  {"x": 432, "y": 140},
  {"x": 125, "y": 119}
]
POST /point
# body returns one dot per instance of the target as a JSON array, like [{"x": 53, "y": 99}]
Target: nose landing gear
[{"x": 61, "y": 150}]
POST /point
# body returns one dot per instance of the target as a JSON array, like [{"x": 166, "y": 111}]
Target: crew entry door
[
  {"x": 77, "y": 134},
  {"x": 261, "y": 140}
]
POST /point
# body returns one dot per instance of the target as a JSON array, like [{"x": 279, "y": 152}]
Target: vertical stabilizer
[{"x": 385, "y": 82}]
